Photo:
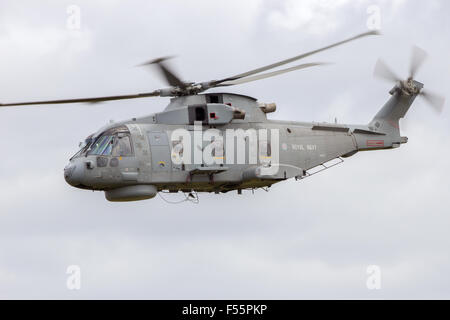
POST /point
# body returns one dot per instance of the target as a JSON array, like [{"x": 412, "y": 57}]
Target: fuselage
[{"x": 227, "y": 145}]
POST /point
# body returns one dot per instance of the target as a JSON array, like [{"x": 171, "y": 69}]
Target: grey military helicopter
[{"x": 219, "y": 142}]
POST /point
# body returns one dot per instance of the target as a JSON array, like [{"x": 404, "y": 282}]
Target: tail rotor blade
[
  {"x": 435, "y": 100},
  {"x": 418, "y": 56},
  {"x": 382, "y": 71}
]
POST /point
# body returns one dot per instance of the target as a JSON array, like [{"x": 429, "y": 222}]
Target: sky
[{"x": 307, "y": 239}]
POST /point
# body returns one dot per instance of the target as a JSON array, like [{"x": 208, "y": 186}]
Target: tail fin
[{"x": 387, "y": 119}]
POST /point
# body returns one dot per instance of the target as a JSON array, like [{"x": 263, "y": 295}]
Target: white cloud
[
  {"x": 39, "y": 41},
  {"x": 311, "y": 16},
  {"x": 325, "y": 16}
]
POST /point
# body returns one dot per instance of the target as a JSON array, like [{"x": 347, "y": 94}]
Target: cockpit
[
  {"x": 113, "y": 142},
  {"x": 107, "y": 150}
]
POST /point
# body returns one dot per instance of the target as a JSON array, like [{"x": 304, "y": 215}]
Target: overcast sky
[{"x": 309, "y": 239}]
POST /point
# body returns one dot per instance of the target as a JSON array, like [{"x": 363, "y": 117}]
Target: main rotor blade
[
  {"x": 301, "y": 56},
  {"x": 268, "y": 74},
  {"x": 418, "y": 56},
  {"x": 89, "y": 100},
  {"x": 435, "y": 100},
  {"x": 382, "y": 71},
  {"x": 168, "y": 74}
]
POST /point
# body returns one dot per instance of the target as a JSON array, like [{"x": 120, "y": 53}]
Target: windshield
[
  {"x": 115, "y": 142},
  {"x": 102, "y": 146},
  {"x": 83, "y": 146}
]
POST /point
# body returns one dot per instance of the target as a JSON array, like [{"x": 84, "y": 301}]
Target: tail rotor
[{"x": 410, "y": 86}]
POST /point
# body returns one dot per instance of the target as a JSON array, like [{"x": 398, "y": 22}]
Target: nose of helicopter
[{"x": 73, "y": 174}]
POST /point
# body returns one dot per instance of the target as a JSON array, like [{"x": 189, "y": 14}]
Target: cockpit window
[
  {"x": 122, "y": 147},
  {"x": 103, "y": 146},
  {"x": 83, "y": 147},
  {"x": 115, "y": 142}
]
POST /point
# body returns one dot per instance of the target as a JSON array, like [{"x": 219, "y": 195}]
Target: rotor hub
[{"x": 411, "y": 87}]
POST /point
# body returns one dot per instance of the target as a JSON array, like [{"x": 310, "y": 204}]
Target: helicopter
[{"x": 221, "y": 142}]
